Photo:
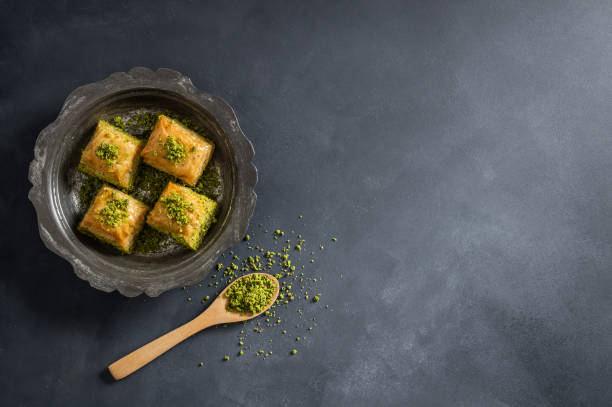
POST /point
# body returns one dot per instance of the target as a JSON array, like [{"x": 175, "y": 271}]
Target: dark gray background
[{"x": 460, "y": 151}]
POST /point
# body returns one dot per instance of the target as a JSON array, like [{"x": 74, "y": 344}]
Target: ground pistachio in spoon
[
  {"x": 251, "y": 295},
  {"x": 247, "y": 297}
]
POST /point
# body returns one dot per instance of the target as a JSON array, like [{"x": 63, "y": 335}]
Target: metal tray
[{"x": 55, "y": 185}]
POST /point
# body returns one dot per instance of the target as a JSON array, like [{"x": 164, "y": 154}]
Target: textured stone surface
[{"x": 460, "y": 150}]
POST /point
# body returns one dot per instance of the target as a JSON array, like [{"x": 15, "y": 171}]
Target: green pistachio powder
[
  {"x": 177, "y": 208},
  {"x": 107, "y": 153},
  {"x": 114, "y": 212},
  {"x": 252, "y": 294},
  {"x": 175, "y": 151},
  {"x": 149, "y": 182}
]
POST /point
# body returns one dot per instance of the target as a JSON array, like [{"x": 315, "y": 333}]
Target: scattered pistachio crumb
[{"x": 281, "y": 263}]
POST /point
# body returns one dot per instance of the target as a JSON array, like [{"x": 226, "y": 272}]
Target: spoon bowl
[
  {"x": 215, "y": 314},
  {"x": 219, "y": 305}
]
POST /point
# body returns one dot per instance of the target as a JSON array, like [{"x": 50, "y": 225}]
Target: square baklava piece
[
  {"x": 177, "y": 150},
  {"x": 114, "y": 218},
  {"x": 112, "y": 155},
  {"x": 183, "y": 214}
]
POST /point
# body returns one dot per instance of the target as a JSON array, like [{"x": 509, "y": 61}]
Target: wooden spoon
[{"x": 215, "y": 314}]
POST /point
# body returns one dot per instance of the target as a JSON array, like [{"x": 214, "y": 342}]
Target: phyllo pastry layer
[
  {"x": 112, "y": 155},
  {"x": 183, "y": 214},
  {"x": 175, "y": 149},
  {"x": 114, "y": 218}
]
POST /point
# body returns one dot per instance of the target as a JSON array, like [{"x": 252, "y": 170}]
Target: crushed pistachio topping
[
  {"x": 209, "y": 182},
  {"x": 118, "y": 122},
  {"x": 114, "y": 212},
  {"x": 139, "y": 125},
  {"x": 175, "y": 151},
  {"x": 177, "y": 208},
  {"x": 150, "y": 183},
  {"x": 89, "y": 189},
  {"x": 144, "y": 121},
  {"x": 150, "y": 240},
  {"x": 250, "y": 294},
  {"x": 107, "y": 153}
]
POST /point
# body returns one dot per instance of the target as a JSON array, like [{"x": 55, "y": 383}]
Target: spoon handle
[{"x": 143, "y": 355}]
